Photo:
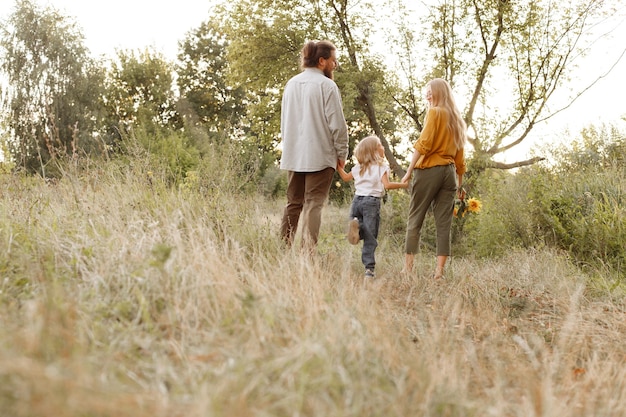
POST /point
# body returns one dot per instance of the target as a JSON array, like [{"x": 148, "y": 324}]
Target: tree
[
  {"x": 508, "y": 59},
  {"x": 141, "y": 105},
  {"x": 51, "y": 101},
  {"x": 139, "y": 90},
  {"x": 264, "y": 42},
  {"x": 263, "y": 50},
  {"x": 349, "y": 23},
  {"x": 207, "y": 97}
]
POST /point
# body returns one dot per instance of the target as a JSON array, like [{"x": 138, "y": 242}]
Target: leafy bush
[
  {"x": 502, "y": 224},
  {"x": 576, "y": 204},
  {"x": 393, "y": 214},
  {"x": 584, "y": 214},
  {"x": 273, "y": 183},
  {"x": 168, "y": 148}
]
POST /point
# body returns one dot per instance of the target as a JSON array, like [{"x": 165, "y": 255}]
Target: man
[{"x": 314, "y": 139}]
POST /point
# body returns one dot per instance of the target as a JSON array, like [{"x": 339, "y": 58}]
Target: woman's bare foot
[
  {"x": 438, "y": 273},
  {"x": 441, "y": 262},
  {"x": 408, "y": 263}
]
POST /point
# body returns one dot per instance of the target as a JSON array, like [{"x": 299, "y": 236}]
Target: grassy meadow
[{"x": 122, "y": 296}]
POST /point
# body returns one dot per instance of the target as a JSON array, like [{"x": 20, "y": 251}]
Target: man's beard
[{"x": 329, "y": 73}]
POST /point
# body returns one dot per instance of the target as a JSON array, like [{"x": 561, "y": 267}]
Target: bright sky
[
  {"x": 604, "y": 102},
  {"x": 136, "y": 24},
  {"x": 129, "y": 24}
]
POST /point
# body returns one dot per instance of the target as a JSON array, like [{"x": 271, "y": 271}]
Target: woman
[{"x": 439, "y": 164}]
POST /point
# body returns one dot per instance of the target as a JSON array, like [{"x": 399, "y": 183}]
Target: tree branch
[
  {"x": 588, "y": 87},
  {"x": 519, "y": 164},
  {"x": 490, "y": 54}
]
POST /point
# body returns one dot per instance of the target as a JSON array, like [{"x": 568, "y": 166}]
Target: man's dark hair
[{"x": 314, "y": 50}]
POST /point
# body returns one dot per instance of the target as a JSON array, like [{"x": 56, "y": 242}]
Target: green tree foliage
[
  {"x": 51, "y": 101},
  {"x": 231, "y": 73},
  {"x": 598, "y": 147},
  {"x": 351, "y": 22},
  {"x": 139, "y": 90},
  {"x": 264, "y": 43},
  {"x": 141, "y": 107},
  {"x": 207, "y": 97}
]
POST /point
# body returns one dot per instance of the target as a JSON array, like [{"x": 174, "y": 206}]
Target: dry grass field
[{"x": 122, "y": 297}]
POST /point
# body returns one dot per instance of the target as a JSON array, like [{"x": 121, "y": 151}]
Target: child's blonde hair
[{"x": 366, "y": 153}]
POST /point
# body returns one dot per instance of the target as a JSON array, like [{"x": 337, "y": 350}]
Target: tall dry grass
[{"x": 122, "y": 297}]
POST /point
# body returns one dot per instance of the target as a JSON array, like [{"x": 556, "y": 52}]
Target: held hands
[{"x": 346, "y": 176}]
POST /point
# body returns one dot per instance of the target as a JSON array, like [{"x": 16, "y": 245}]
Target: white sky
[
  {"x": 129, "y": 24},
  {"x": 605, "y": 102},
  {"x": 136, "y": 24}
]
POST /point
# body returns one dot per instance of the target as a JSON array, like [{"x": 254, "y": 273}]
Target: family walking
[{"x": 315, "y": 145}]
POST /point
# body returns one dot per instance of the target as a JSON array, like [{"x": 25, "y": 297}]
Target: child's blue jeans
[{"x": 367, "y": 210}]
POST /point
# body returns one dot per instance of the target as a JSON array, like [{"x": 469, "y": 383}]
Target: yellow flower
[
  {"x": 456, "y": 211},
  {"x": 474, "y": 205}
]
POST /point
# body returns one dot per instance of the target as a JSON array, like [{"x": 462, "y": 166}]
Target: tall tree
[
  {"x": 139, "y": 88},
  {"x": 52, "y": 93},
  {"x": 350, "y": 22},
  {"x": 508, "y": 59},
  {"x": 264, "y": 42},
  {"x": 265, "y": 38},
  {"x": 207, "y": 96}
]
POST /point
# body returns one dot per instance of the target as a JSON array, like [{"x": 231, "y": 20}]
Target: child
[{"x": 371, "y": 179}]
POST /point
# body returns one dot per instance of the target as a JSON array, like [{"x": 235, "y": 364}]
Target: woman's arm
[
  {"x": 409, "y": 171},
  {"x": 393, "y": 185}
]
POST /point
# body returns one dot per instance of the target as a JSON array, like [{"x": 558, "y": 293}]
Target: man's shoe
[{"x": 369, "y": 274}]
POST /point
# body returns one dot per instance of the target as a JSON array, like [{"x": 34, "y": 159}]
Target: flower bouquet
[{"x": 463, "y": 206}]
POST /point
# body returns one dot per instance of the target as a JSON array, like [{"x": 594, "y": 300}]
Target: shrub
[
  {"x": 584, "y": 215},
  {"x": 502, "y": 224}
]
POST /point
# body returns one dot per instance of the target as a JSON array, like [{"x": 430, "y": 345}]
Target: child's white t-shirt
[{"x": 371, "y": 182}]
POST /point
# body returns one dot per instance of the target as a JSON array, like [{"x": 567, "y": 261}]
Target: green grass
[{"x": 122, "y": 297}]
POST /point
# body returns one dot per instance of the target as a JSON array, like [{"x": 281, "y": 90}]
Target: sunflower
[{"x": 474, "y": 205}]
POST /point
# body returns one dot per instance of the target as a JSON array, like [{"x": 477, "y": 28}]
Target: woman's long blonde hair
[
  {"x": 442, "y": 97},
  {"x": 366, "y": 153}
]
